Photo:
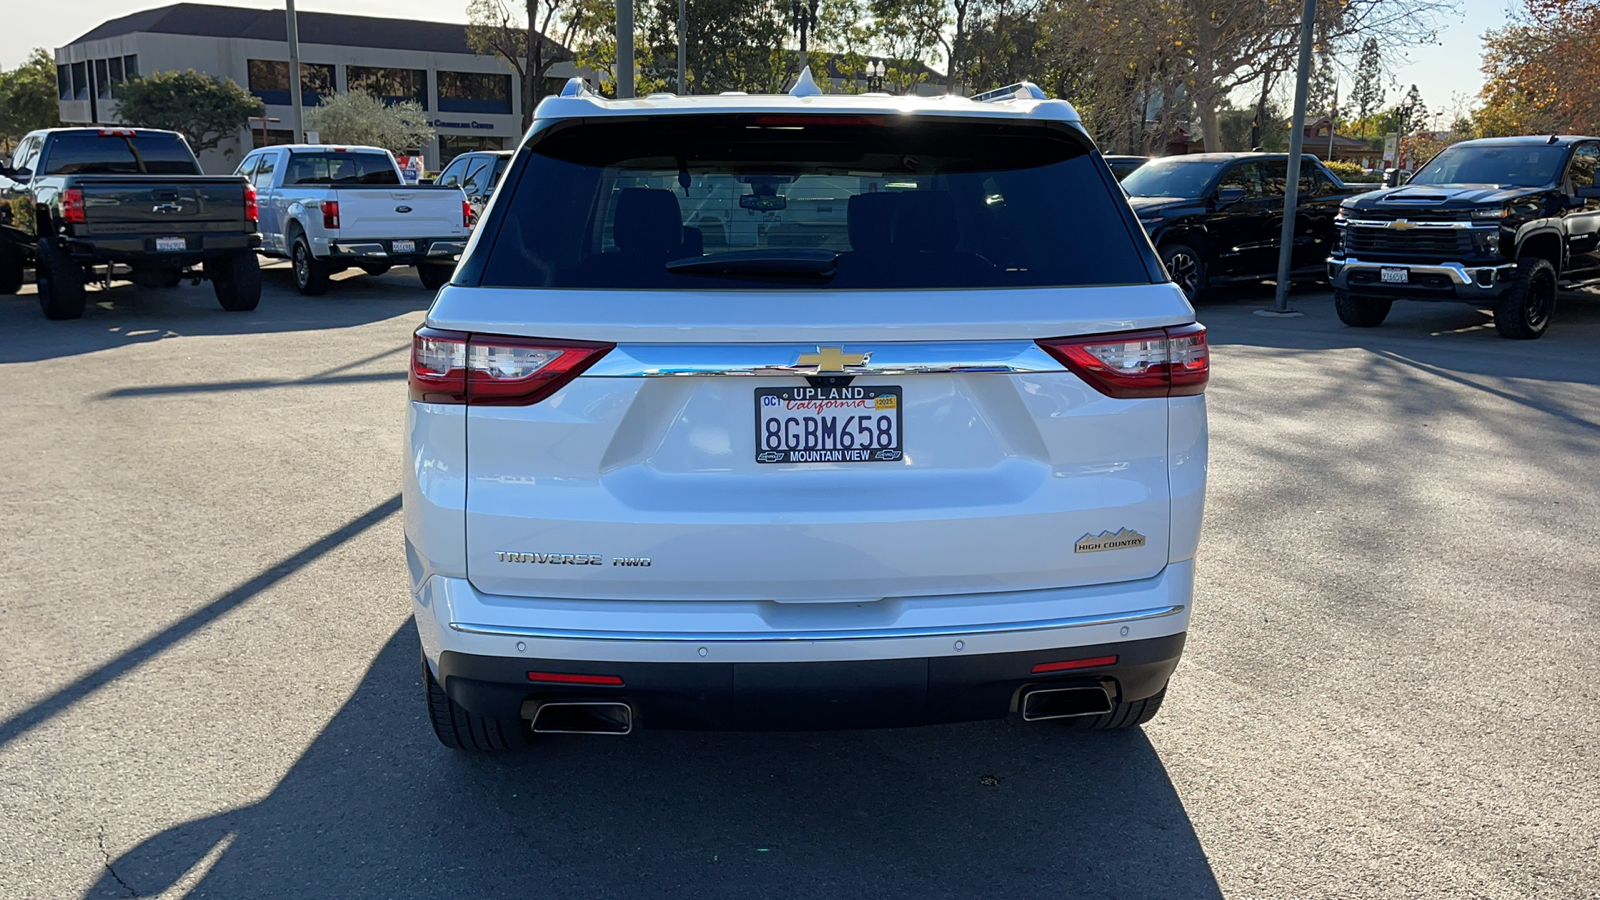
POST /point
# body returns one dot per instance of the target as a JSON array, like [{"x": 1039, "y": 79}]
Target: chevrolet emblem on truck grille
[{"x": 1402, "y": 225}]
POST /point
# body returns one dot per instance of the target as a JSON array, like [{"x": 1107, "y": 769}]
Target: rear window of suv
[{"x": 811, "y": 201}]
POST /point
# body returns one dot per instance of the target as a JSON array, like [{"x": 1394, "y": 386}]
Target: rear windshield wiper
[{"x": 815, "y": 263}]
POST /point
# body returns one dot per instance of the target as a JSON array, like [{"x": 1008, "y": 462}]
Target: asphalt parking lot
[{"x": 211, "y": 685}]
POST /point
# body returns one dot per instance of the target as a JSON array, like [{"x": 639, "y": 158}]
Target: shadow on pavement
[
  {"x": 376, "y": 808},
  {"x": 128, "y": 314}
]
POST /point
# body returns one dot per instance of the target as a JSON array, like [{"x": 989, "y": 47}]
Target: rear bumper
[
  {"x": 811, "y": 695},
  {"x": 359, "y": 250},
  {"x": 142, "y": 249},
  {"x": 1429, "y": 281}
]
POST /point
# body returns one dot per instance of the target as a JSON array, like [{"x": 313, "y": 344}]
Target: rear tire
[
  {"x": 1122, "y": 716},
  {"x": 10, "y": 268},
  {"x": 1523, "y": 312},
  {"x": 1360, "y": 312},
  {"x": 434, "y": 276},
  {"x": 1186, "y": 267},
  {"x": 60, "y": 282},
  {"x": 310, "y": 273},
  {"x": 459, "y": 729},
  {"x": 236, "y": 280}
]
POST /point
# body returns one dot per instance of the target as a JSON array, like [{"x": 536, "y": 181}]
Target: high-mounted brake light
[
  {"x": 1162, "y": 362},
  {"x": 330, "y": 214},
  {"x": 252, "y": 212},
  {"x": 466, "y": 213},
  {"x": 494, "y": 370},
  {"x": 117, "y": 132},
  {"x": 72, "y": 206}
]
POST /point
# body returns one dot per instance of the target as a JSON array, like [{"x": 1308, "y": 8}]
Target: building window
[
  {"x": 269, "y": 80},
  {"x": 80, "y": 81},
  {"x": 474, "y": 92},
  {"x": 64, "y": 82},
  {"x": 389, "y": 85},
  {"x": 130, "y": 66},
  {"x": 115, "y": 64},
  {"x": 102, "y": 80}
]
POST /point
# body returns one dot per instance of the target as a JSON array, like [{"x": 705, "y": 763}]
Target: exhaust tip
[
  {"x": 1064, "y": 703},
  {"x": 591, "y": 717}
]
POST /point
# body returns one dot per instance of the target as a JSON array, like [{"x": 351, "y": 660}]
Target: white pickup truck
[{"x": 330, "y": 208}]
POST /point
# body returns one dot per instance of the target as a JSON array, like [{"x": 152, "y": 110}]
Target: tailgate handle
[{"x": 164, "y": 195}]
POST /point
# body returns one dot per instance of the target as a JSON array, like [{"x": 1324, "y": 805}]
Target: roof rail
[
  {"x": 577, "y": 87},
  {"x": 1022, "y": 90}
]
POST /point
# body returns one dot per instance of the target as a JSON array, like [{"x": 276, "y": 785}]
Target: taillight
[
  {"x": 492, "y": 370},
  {"x": 252, "y": 212},
  {"x": 330, "y": 214},
  {"x": 72, "y": 206},
  {"x": 1163, "y": 362},
  {"x": 466, "y": 214}
]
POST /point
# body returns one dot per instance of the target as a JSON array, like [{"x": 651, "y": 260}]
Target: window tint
[
  {"x": 341, "y": 168},
  {"x": 477, "y": 175},
  {"x": 91, "y": 153},
  {"x": 1585, "y": 171},
  {"x": 1526, "y": 165},
  {"x": 1176, "y": 177},
  {"x": 451, "y": 176},
  {"x": 1242, "y": 177},
  {"x": 771, "y": 201},
  {"x": 1274, "y": 177},
  {"x": 248, "y": 167},
  {"x": 269, "y": 164}
]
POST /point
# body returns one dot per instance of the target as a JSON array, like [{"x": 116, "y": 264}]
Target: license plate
[
  {"x": 828, "y": 424},
  {"x": 405, "y": 246},
  {"x": 170, "y": 245},
  {"x": 1395, "y": 276}
]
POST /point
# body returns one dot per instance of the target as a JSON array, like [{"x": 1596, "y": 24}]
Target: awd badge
[{"x": 1120, "y": 539}]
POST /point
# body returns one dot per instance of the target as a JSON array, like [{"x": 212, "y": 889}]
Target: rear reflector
[
  {"x": 1091, "y": 663},
  {"x": 494, "y": 370},
  {"x": 569, "y": 678},
  {"x": 1162, "y": 362},
  {"x": 72, "y": 206}
]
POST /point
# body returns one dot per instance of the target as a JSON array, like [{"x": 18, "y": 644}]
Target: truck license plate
[
  {"x": 171, "y": 245},
  {"x": 828, "y": 425},
  {"x": 1391, "y": 275},
  {"x": 405, "y": 246}
]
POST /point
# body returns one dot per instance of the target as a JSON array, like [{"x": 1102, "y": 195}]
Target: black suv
[
  {"x": 1219, "y": 216},
  {"x": 1501, "y": 222}
]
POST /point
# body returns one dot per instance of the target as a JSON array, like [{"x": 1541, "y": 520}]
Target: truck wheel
[
  {"x": 236, "y": 280},
  {"x": 459, "y": 729},
  {"x": 1122, "y": 715},
  {"x": 1523, "y": 311},
  {"x": 310, "y": 274},
  {"x": 60, "y": 282},
  {"x": 10, "y": 268},
  {"x": 1360, "y": 312},
  {"x": 1186, "y": 267},
  {"x": 376, "y": 269},
  {"x": 435, "y": 276}
]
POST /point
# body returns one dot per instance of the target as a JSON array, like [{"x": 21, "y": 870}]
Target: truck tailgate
[
  {"x": 158, "y": 205},
  {"x": 400, "y": 212}
]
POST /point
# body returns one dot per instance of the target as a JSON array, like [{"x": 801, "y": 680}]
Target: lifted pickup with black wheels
[
  {"x": 87, "y": 197},
  {"x": 1504, "y": 223}
]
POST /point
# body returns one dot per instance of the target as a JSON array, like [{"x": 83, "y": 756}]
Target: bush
[{"x": 1351, "y": 173}]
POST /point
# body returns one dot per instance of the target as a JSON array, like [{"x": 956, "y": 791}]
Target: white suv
[{"x": 770, "y": 412}]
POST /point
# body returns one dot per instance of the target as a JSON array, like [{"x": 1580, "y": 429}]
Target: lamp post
[
  {"x": 296, "y": 100},
  {"x": 1291, "y": 188},
  {"x": 876, "y": 69},
  {"x": 683, "y": 45}
]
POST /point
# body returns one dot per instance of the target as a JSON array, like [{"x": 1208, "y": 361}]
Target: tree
[
  {"x": 203, "y": 109},
  {"x": 28, "y": 98},
  {"x": 731, "y": 45},
  {"x": 531, "y": 36},
  {"x": 1540, "y": 71},
  {"x": 359, "y": 118},
  {"x": 1367, "y": 93}
]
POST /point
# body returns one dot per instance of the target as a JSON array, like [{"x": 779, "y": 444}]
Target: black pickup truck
[
  {"x": 1219, "y": 216},
  {"x": 1501, "y": 222},
  {"x": 77, "y": 198}
]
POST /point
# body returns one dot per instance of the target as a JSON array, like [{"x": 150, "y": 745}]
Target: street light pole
[
  {"x": 683, "y": 48},
  {"x": 294, "y": 74},
  {"x": 624, "y": 49},
  {"x": 1291, "y": 189}
]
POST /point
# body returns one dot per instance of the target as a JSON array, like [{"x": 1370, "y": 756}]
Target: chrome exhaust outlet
[
  {"x": 1064, "y": 703},
  {"x": 591, "y": 717}
]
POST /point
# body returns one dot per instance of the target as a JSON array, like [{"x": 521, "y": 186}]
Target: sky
[{"x": 1440, "y": 72}]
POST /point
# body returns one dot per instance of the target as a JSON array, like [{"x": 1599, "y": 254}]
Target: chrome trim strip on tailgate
[
  {"x": 1138, "y": 615},
  {"x": 777, "y": 360}
]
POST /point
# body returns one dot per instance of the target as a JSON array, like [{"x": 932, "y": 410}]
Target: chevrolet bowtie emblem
[
  {"x": 833, "y": 359},
  {"x": 1401, "y": 225}
]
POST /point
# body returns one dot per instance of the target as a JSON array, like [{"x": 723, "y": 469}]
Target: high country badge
[{"x": 1120, "y": 539}]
